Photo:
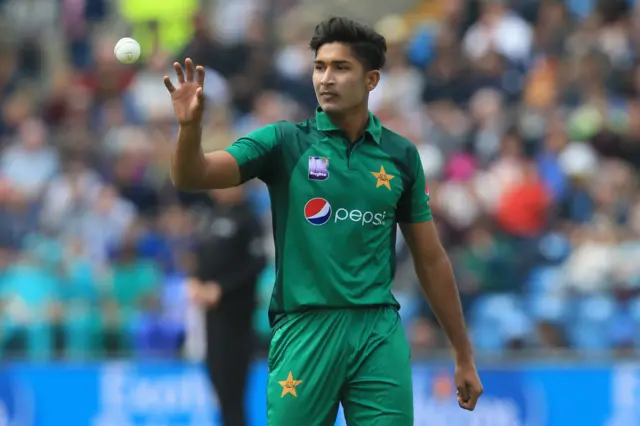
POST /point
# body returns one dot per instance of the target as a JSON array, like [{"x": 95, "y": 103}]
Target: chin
[{"x": 331, "y": 108}]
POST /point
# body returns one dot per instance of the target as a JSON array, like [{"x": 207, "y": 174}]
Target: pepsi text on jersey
[{"x": 318, "y": 211}]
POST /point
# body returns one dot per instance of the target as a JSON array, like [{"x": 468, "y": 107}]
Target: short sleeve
[
  {"x": 254, "y": 153},
  {"x": 413, "y": 206}
]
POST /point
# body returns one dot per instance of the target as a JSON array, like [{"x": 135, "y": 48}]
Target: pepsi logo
[{"x": 317, "y": 211}]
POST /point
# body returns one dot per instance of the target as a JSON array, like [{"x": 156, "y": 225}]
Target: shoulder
[
  {"x": 402, "y": 151},
  {"x": 289, "y": 135},
  {"x": 397, "y": 140},
  {"x": 307, "y": 126},
  {"x": 283, "y": 130}
]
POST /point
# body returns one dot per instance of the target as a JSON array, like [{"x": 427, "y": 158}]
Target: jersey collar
[{"x": 374, "y": 128}]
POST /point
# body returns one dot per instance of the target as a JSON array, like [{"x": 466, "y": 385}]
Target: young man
[{"x": 339, "y": 183}]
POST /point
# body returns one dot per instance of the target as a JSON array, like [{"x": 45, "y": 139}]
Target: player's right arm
[{"x": 191, "y": 168}]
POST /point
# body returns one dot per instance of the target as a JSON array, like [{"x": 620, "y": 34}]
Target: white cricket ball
[{"x": 127, "y": 50}]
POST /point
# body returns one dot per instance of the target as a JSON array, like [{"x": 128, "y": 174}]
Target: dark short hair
[{"x": 369, "y": 47}]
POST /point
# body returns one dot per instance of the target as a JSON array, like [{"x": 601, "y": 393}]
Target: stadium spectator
[{"x": 524, "y": 112}]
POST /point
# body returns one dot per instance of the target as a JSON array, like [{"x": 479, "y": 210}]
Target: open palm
[{"x": 188, "y": 97}]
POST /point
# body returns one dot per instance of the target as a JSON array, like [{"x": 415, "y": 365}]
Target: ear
[{"x": 372, "y": 78}]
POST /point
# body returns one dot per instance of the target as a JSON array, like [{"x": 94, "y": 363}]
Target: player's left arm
[
  {"x": 436, "y": 277},
  {"x": 435, "y": 273}
]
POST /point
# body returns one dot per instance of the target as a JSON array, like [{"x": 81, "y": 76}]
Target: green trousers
[{"x": 357, "y": 357}]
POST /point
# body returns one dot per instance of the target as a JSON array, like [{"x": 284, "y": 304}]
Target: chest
[{"x": 358, "y": 181}]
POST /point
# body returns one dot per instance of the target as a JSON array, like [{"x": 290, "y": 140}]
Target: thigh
[
  {"x": 380, "y": 389},
  {"x": 306, "y": 370}
]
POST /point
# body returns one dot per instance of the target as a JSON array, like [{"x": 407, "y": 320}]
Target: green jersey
[{"x": 335, "y": 209}]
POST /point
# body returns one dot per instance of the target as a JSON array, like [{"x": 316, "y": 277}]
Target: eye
[{"x": 319, "y": 67}]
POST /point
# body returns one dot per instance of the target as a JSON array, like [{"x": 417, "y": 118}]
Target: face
[{"x": 340, "y": 80}]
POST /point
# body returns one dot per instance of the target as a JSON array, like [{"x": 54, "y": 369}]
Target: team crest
[
  {"x": 318, "y": 168},
  {"x": 383, "y": 178},
  {"x": 289, "y": 385}
]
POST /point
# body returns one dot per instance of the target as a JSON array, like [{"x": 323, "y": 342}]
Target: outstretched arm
[{"x": 191, "y": 169}]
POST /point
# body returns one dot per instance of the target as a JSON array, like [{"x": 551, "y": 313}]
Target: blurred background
[{"x": 527, "y": 117}]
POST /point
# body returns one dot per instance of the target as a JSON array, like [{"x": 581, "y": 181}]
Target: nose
[{"x": 327, "y": 79}]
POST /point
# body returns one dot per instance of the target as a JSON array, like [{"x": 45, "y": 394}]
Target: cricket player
[{"x": 340, "y": 183}]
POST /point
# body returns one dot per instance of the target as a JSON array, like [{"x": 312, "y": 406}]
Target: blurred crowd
[{"x": 525, "y": 113}]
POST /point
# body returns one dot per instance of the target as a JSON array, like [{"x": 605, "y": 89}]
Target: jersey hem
[{"x": 276, "y": 319}]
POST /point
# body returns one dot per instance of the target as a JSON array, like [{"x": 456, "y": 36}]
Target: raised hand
[{"x": 188, "y": 97}]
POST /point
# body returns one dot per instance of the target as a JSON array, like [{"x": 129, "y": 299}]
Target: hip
[{"x": 338, "y": 322}]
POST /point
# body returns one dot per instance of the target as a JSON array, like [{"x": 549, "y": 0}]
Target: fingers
[
  {"x": 468, "y": 396},
  {"x": 200, "y": 75},
  {"x": 463, "y": 395},
  {"x": 200, "y": 96},
  {"x": 192, "y": 73},
  {"x": 179, "y": 73},
  {"x": 471, "y": 404},
  {"x": 169, "y": 85},
  {"x": 188, "y": 64}
]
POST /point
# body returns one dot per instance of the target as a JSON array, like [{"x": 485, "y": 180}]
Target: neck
[{"x": 352, "y": 122}]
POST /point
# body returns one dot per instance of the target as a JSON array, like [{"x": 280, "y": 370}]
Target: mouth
[{"x": 328, "y": 95}]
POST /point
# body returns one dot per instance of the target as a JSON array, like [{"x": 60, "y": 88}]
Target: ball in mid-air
[{"x": 127, "y": 50}]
